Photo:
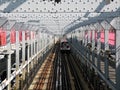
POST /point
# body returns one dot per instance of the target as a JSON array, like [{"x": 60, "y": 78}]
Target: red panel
[
  {"x": 2, "y": 37},
  {"x": 27, "y": 35},
  {"x": 111, "y": 38},
  {"x": 13, "y": 36},
  {"x": 33, "y": 35},
  {"x": 20, "y": 35}
]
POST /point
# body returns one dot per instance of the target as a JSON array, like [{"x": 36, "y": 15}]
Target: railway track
[
  {"x": 74, "y": 70},
  {"x": 72, "y": 78},
  {"x": 58, "y": 72},
  {"x": 45, "y": 75},
  {"x": 65, "y": 75}
]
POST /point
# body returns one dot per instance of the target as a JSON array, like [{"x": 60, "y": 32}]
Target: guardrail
[
  {"x": 78, "y": 53},
  {"x": 15, "y": 73}
]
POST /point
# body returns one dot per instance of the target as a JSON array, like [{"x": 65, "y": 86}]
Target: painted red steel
[
  {"x": 2, "y": 37},
  {"x": 102, "y": 36},
  {"x": 13, "y": 36},
  {"x": 27, "y": 35},
  {"x": 20, "y": 35},
  {"x": 112, "y": 37}
]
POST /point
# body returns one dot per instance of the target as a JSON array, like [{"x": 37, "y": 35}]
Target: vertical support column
[
  {"x": 84, "y": 44},
  {"x": 106, "y": 48},
  {"x": 9, "y": 63},
  {"x": 28, "y": 55},
  {"x": 42, "y": 38},
  {"x": 83, "y": 37},
  {"x": 43, "y": 41},
  {"x": 34, "y": 45},
  {"x": 98, "y": 45},
  {"x": 86, "y": 37},
  {"x": 89, "y": 41},
  {"x": 93, "y": 46},
  {"x": 118, "y": 53},
  {"x": 38, "y": 35},
  {"x": 32, "y": 49},
  {"x": 77, "y": 36},
  {"x": 106, "y": 38},
  {"x": 83, "y": 33},
  {"x": 17, "y": 59},
  {"x": 31, "y": 44},
  {"x": 37, "y": 50},
  {"x": 89, "y": 34},
  {"x": 23, "y": 52},
  {"x": 71, "y": 37}
]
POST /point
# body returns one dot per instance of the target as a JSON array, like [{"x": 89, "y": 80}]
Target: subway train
[{"x": 64, "y": 46}]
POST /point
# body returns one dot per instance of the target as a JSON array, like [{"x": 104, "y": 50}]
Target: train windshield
[{"x": 64, "y": 44}]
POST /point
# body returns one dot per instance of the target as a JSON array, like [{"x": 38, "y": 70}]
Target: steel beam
[
  {"x": 106, "y": 27},
  {"x": 17, "y": 59},
  {"x": 118, "y": 53},
  {"x": 93, "y": 46},
  {"x": 9, "y": 63},
  {"x": 89, "y": 34},
  {"x": 23, "y": 52},
  {"x": 98, "y": 29}
]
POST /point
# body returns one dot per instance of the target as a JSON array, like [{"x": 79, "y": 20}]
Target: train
[{"x": 64, "y": 46}]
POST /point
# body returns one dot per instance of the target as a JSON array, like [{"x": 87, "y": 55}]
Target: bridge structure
[{"x": 29, "y": 29}]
